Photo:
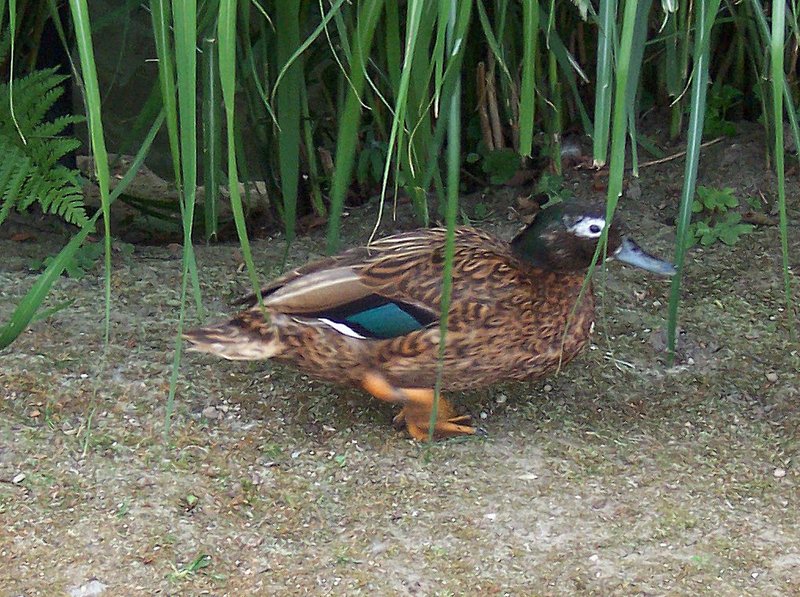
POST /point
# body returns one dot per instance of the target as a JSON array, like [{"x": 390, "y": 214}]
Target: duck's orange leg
[{"x": 417, "y": 406}]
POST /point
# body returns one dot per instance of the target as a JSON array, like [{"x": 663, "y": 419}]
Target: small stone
[
  {"x": 772, "y": 377},
  {"x": 594, "y": 557},
  {"x": 90, "y": 589},
  {"x": 548, "y": 387},
  {"x": 779, "y": 473},
  {"x": 211, "y": 413},
  {"x": 501, "y": 399},
  {"x": 18, "y": 478},
  {"x": 143, "y": 482},
  {"x": 379, "y": 547},
  {"x": 484, "y": 415},
  {"x": 634, "y": 190}
]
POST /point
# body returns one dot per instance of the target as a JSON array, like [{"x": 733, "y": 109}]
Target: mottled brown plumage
[{"x": 370, "y": 316}]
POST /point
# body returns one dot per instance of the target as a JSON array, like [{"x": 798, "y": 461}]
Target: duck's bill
[{"x": 631, "y": 253}]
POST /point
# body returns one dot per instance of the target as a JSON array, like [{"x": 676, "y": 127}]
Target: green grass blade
[
  {"x": 491, "y": 39},
  {"x": 675, "y": 66},
  {"x": 450, "y": 78},
  {"x": 162, "y": 23},
  {"x": 184, "y": 16},
  {"x": 637, "y": 54},
  {"x": 778, "y": 82},
  {"x": 618, "y": 138},
  {"x": 414, "y": 139},
  {"x": 763, "y": 29},
  {"x": 83, "y": 39},
  {"x": 288, "y": 95},
  {"x": 605, "y": 79},
  {"x": 704, "y": 14},
  {"x": 212, "y": 135},
  {"x": 527, "y": 101},
  {"x": 457, "y": 20},
  {"x": 394, "y": 47},
  {"x": 313, "y": 167},
  {"x": 350, "y": 118},
  {"x": 326, "y": 18},
  {"x": 413, "y": 17},
  {"x": 620, "y": 117},
  {"x": 568, "y": 66},
  {"x": 227, "y": 62}
]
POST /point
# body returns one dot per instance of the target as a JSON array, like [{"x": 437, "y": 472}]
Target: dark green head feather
[{"x": 564, "y": 237}]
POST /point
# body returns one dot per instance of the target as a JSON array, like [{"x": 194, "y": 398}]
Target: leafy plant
[
  {"x": 552, "y": 186},
  {"x": 728, "y": 230},
  {"x": 31, "y": 147},
  {"x": 83, "y": 260},
  {"x": 194, "y": 567},
  {"x": 717, "y": 108},
  {"x": 500, "y": 165},
  {"x": 369, "y": 169},
  {"x": 480, "y": 212},
  {"x": 719, "y": 222},
  {"x": 713, "y": 200}
]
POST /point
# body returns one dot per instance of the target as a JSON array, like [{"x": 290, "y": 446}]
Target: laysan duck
[{"x": 370, "y": 316}]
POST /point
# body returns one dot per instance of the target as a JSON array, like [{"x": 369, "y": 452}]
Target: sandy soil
[{"x": 619, "y": 476}]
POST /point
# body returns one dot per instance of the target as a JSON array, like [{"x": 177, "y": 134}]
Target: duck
[{"x": 371, "y": 316}]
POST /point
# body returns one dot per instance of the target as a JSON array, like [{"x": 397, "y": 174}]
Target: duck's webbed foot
[{"x": 417, "y": 404}]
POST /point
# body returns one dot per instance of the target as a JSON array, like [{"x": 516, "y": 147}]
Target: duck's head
[{"x": 564, "y": 238}]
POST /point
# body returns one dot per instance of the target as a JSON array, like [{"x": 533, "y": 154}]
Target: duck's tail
[{"x": 240, "y": 339}]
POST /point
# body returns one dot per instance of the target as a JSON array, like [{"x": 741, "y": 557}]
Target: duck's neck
[{"x": 530, "y": 246}]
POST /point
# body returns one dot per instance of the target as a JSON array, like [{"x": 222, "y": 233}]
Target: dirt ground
[{"x": 619, "y": 476}]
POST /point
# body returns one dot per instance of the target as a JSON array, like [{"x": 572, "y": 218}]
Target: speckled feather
[
  {"x": 507, "y": 318},
  {"x": 371, "y": 316}
]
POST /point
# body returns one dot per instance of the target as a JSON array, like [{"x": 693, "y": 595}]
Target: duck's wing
[
  {"x": 344, "y": 259},
  {"x": 388, "y": 289}
]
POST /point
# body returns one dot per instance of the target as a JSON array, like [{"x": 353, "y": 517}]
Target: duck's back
[{"x": 507, "y": 319}]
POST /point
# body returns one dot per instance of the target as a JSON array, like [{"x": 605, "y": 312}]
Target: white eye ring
[{"x": 588, "y": 227}]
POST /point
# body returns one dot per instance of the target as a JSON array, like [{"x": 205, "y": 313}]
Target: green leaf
[
  {"x": 501, "y": 164},
  {"x": 708, "y": 239},
  {"x": 733, "y": 217},
  {"x": 716, "y": 200}
]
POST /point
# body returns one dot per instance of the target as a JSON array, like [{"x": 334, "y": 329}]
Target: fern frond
[
  {"x": 54, "y": 127},
  {"x": 29, "y": 171},
  {"x": 55, "y": 149},
  {"x": 14, "y": 171},
  {"x": 34, "y": 95}
]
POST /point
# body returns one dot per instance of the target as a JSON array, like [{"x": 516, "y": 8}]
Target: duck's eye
[{"x": 587, "y": 227}]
